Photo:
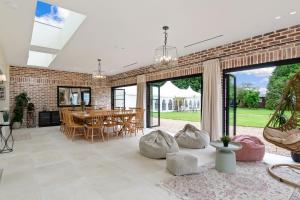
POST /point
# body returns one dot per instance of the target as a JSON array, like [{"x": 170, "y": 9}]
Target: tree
[
  {"x": 194, "y": 82},
  {"x": 277, "y": 82},
  {"x": 247, "y": 97}
]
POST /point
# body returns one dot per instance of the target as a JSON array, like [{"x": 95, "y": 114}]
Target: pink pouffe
[{"x": 253, "y": 149}]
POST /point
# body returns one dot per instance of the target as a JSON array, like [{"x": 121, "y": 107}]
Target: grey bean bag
[
  {"x": 182, "y": 163},
  {"x": 192, "y": 138},
  {"x": 157, "y": 144}
]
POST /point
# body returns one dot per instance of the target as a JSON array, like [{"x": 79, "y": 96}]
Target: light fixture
[
  {"x": 278, "y": 17},
  {"x": 2, "y": 78},
  {"x": 98, "y": 73},
  {"x": 293, "y": 13},
  {"x": 166, "y": 55}
]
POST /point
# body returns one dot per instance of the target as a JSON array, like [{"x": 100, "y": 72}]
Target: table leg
[
  {"x": 6, "y": 148},
  {"x": 226, "y": 161}
]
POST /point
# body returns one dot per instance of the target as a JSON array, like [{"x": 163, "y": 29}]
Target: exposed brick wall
[
  {"x": 273, "y": 46},
  {"x": 41, "y": 86}
]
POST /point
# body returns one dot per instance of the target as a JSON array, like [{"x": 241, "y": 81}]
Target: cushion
[
  {"x": 283, "y": 137},
  {"x": 192, "y": 138},
  {"x": 157, "y": 144},
  {"x": 181, "y": 163},
  {"x": 253, "y": 148}
]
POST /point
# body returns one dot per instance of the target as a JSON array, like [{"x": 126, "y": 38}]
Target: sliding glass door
[
  {"x": 230, "y": 104},
  {"x": 153, "y": 106}
]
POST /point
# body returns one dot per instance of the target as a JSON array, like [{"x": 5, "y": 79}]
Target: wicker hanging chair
[{"x": 282, "y": 132}]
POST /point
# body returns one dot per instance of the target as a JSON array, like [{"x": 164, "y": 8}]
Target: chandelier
[
  {"x": 98, "y": 73},
  {"x": 166, "y": 55}
]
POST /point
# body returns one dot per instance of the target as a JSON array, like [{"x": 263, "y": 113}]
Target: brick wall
[
  {"x": 41, "y": 86},
  {"x": 273, "y": 46}
]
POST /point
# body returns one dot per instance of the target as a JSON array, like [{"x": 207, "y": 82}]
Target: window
[
  {"x": 170, "y": 105},
  {"x": 164, "y": 105}
]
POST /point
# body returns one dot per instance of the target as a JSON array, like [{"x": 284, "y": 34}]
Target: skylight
[
  {"x": 50, "y": 15},
  {"x": 36, "y": 58},
  {"x": 54, "y": 26}
]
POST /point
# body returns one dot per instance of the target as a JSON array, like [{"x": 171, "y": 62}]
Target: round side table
[{"x": 225, "y": 157}]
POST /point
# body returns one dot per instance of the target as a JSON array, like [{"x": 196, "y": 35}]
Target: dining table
[{"x": 124, "y": 118}]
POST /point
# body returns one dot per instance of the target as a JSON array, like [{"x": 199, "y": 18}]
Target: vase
[
  {"x": 225, "y": 144},
  {"x": 295, "y": 157}
]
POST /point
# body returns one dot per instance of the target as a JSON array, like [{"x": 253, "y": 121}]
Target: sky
[
  {"x": 258, "y": 78},
  {"x": 50, "y": 14}
]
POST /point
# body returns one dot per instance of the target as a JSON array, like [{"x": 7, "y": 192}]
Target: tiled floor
[{"x": 45, "y": 165}]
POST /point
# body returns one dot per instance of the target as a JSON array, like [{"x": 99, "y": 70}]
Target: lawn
[{"x": 245, "y": 117}]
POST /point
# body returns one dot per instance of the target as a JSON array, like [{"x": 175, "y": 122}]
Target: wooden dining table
[{"x": 124, "y": 118}]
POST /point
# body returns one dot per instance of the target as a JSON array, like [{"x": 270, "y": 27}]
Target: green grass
[
  {"x": 186, "y": 116},
  {"x": 253, "y": 117},
  {"x": 245, "y": 117}
]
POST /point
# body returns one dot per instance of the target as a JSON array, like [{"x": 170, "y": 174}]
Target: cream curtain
[
  {"x": 140, "y": 96},
  {"x": 141, "y": 85},
  {"x": 212, "y": 99}
]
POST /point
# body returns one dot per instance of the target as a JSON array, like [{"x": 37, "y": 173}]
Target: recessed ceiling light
[
  {"x": 293, "y": 13},
  {"x": 278, "y": 17}
]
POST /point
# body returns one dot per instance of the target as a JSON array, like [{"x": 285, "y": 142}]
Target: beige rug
[{"x": 251, "y": 181}]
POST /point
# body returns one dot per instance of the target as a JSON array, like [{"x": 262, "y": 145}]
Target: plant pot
[
  {"x": 295, "y": 157},
  {"x": 225, "y": 144},
  {"x": 16, "y": 125}
]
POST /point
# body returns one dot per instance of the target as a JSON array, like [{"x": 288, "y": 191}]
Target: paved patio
[{"x": 174, "y": 125}]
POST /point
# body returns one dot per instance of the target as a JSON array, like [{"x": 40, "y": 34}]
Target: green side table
[{"x": 225, "y": 157}]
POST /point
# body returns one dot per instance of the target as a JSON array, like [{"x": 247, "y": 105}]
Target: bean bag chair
[
  {"x": 192, "y": 138},
  {"x": 181, "y": 163},
  {"x": 157, "y": 144},
  {"x": 253, "y": 149}
]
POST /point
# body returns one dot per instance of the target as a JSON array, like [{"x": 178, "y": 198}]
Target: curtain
[
  {"x": 141, "y": 85},
  {"x": 212, "y": 99},
  {"x": 140, "y": 95}
]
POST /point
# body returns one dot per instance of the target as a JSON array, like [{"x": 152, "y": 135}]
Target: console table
[{"x": 5, "y": 139}]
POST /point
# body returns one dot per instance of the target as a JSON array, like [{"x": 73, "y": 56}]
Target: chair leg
[
  {"x": 92, "y": 135},
  {"x": 101, "y": 132},
  {"x": 73, "y": 134}
]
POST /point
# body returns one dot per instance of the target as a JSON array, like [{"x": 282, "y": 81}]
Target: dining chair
[
  {"x": 95, "y": 128},
  {"x": 62, "y": 119},
  {"x": 110, "y": 123},
  {"x": 74, "y": 129},
  {"x": 138, "y": 122}
]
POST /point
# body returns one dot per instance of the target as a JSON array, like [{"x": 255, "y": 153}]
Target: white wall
[{"x": 4, "y": 68}]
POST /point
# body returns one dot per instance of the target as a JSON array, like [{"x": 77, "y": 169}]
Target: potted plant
[
  {"x": 21, "y": 102},
  {"x": 225, "y": 139},
  {"x": 30, "y": 107},
  {"x": 82, "y": 105},
  {"x": 5, "y": 116}
]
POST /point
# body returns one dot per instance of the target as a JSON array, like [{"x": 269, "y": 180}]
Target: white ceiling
[{"x": 122, "y": 32}]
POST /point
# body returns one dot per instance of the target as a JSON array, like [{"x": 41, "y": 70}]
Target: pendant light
[
  {"x": 98, "y": 73},
  {"x": 166, "y": 55}
]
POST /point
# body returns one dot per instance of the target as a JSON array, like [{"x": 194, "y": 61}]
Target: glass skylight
[
  {"x": 54, "y": 26},
  {"x": 36, "y": 58}
]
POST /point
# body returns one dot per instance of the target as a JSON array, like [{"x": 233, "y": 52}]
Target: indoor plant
[
  {"x": 5, "y": 116},
  {"x": 225, "y": 139},
  {"x": 21, "y": 102}
]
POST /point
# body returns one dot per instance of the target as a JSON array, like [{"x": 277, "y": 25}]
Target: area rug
[{"x": 251, "y": 181}]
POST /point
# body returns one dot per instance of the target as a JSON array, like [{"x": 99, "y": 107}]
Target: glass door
[
  {"x": 153, "y": 105},
  {"x": 230, "y": 105},
  {"x": 119, "y": 98}
]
